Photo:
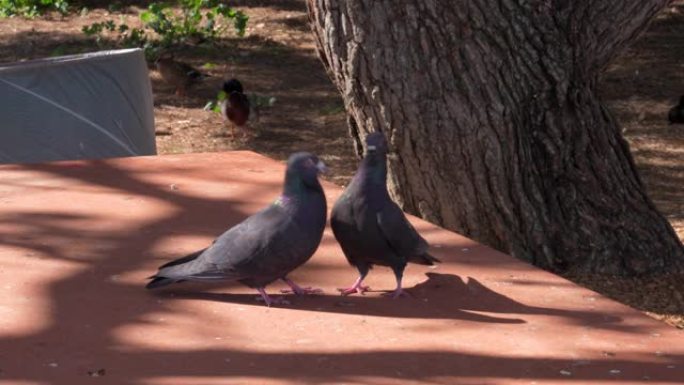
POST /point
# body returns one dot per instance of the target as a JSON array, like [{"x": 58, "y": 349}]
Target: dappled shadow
[
  {"x": 640, "y": 86},
  {"x": 128, "y": 214},
  {"x": 34, "y": 44},
  {"x": 266, "y": 58},
  {"x": 285, "y": 5},
  {"x": 300, "y": 23},
  {"x": 649, "y": 67},
  {"x": 274, "y": 61},
  {"x": 89, "y": 307},
  {"x": 111, "y": 5},
  {"x": 431, "y": 301},
  {"x": 102, "y": 250},
  {"x": 441, "y": 296},
  {"x": 430, "y": 367}
]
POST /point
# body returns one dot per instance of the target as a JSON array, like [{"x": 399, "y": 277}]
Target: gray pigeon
[
  {"x": 269, "y": 244},
  {"x": 370, "y": 227}
]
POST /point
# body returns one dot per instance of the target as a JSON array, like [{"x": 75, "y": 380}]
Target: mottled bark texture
[{"x": 494, "y": 124}]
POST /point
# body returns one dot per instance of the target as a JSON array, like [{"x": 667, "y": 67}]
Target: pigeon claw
[
  {"x": 303, "y": 291},
  {"x": 270, "y": 301},
  {"x": 273, "y": 301},
  {"x": 354, "y": 289},
  {"x": 398, "y": 293},
  {"x": 298, "y": 290}
]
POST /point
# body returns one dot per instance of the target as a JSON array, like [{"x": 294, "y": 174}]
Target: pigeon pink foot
[
  {"x": 351, "y": 290},
  {"x": 357, "y": 287},
  {"x": 398, "y": 293},
  {"x": 270, "y": 301}
]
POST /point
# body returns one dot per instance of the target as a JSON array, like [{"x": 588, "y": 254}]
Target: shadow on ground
[{"x": 90, "y": 305}]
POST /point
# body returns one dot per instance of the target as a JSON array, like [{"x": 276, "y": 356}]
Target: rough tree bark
[{"x": 495, "y": 125}]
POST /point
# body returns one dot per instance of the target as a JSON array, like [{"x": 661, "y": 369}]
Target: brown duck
[
  {"x": 235, "y": 107},
  {"x": 180, "y": 75}
]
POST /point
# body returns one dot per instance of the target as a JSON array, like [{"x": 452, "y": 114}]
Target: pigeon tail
[
  {"x": 180, "y": 261},
  {"x": 424, "y": 259},
  {"x": 159, "y": 282}
]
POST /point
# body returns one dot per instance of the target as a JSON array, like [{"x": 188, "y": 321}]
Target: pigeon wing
[
  {"x": 398, "y": 231},
  {"x": 267, "y": 244},
  {"x": 229, "y": 252}
]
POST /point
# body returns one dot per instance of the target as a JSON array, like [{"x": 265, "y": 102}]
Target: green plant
[
  {"x": 215, "y": 105},
  {"x": 127, "y": 37},
  {"x": 199, "y": 20},
  {"x": 32, "y": 8},
  {"x": 257, "y": 102},
  {"x": 58, "y": 51}
]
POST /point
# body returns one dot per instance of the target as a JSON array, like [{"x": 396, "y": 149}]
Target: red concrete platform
[{"x": 78, "y": 239}]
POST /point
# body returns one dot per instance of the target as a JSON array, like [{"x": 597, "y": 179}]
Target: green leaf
[
  {"x": 199, "y": 20},
  {"x": 59, "y": 51},
  {"x": 147, "y": 16},
  {"x": 240, "y": 23}
]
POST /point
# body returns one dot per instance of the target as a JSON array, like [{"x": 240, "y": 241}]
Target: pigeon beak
[{"x": 321, "y": 167}]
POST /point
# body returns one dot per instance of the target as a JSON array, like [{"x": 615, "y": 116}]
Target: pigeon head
[
  {"x": 373, "y": 167},
  {"x": 376, "y": 143},
  {"x": 303, "y": 168},
  {"x": 232, "y": 85}
]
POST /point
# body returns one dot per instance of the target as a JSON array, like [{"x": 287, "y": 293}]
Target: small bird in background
[
  {"x": 370, "y": 227},
  {"x": 235, "y": 107},
  {"x": 676, "y": 114},
  {"x": 266, "y": 246},
  {"x": 180, "y": 75}
]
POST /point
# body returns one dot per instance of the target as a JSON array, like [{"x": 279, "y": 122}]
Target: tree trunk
[{"x": 494, "y": 124}]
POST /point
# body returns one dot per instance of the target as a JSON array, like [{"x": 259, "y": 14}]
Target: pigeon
[
  {"x": 370, "y": 227},
  {"x": 180, "y": 75},
  {"x": 235, "y": 107},
  {"x": 676, "y": 114},
  {"x": 266, "y": 246}
]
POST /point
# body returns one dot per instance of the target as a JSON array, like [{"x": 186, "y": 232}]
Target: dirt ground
[{"x": 277, "y": 59}]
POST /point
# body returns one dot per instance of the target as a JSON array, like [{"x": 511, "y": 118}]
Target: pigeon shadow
[{"x": 441, "y": 296}]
